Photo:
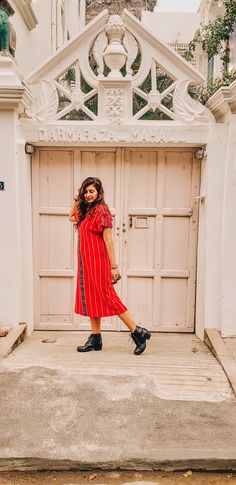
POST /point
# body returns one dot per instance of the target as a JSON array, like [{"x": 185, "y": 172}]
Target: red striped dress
[{"x": 95, "y": 294}]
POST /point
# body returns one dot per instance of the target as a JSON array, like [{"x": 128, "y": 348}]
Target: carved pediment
[{"x": 116, "y": 72}]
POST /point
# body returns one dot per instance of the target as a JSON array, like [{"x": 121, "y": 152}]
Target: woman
[{"x": 97, "y": 268}]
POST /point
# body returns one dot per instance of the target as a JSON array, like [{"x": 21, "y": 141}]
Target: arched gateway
[{"x": 114, "y": 103}]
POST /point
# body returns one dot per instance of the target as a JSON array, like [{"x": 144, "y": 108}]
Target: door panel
[
  {"x": 140, "y": 298},
  {"x": 54, "y": 248},
  {"x": 55, "y": 300},
  {"x": 140, "y": 252},
  {"x": 55, "y": 167},
  {"x": 140, "y": 192},
  {"x": 175, "y": 230},
  {"x": 180, "y": 215},
  {"x": 142, "y": 178},
  {"x": 56, "y": 176},
  {"x": 160, "y": 242},
  {"x": 177, "y": 179},
  {"x": 173, "y": 301}
]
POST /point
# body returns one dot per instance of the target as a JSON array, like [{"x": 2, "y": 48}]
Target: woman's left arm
[{"x": 107, "y": 236}]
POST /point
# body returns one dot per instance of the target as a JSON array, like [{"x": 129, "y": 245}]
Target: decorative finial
[{"x": 115, "y": 54}]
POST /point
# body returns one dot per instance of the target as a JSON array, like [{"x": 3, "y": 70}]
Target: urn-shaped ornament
[{"x": 115, "y": 55}]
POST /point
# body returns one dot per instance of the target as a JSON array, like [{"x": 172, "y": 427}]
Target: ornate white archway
[{"x": 116, "y": 83}]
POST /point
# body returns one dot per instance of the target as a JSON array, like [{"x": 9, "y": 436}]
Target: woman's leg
[
  {"x": 128, "y": 320},
  {"x": 138, "y": 334},
  {"x": 94, "y": 341},
  {"x": 96, "y": 325}
]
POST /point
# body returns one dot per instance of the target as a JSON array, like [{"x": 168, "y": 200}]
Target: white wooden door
[
  {"x": 160, "y": 237},
  {"x": 151, "y": 196},
  {"x": 57, "y": 173},
  {"x": 104, "y": 164}
]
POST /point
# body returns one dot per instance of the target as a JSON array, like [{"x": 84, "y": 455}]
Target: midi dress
[{"x": 95, "y": 294}]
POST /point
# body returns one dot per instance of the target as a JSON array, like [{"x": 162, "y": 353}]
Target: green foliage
[
  {"x": 189, "y": 53},
  {"x": 214, "y": 37},
  {"x": 203, "y": 93}
]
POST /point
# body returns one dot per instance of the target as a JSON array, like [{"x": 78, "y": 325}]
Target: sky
[{"x": 177, "y": 5}]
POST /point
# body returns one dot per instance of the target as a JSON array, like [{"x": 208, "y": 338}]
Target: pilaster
[
  {"x": 210, "y": 231},
  {"x": 216, "y": 302},
  {"x": 14, "y": 97},
  {"x": 228, "y": 260}
]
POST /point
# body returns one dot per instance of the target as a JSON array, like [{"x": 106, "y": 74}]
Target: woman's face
[{"x": 90, "y": 193}]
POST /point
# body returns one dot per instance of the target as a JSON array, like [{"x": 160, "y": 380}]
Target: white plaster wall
[
  {"x": 172, "y": 27},
  {"x": 24, "y": 203},
  {"x": 228, "y": 264},
  {"x": 36, "y": 46},
  {"x": 16, "y": 273},
  {"x": 208, "y": 312},
  {"x": 9, "y": 249},
  {"x": 33, "y": 47}
]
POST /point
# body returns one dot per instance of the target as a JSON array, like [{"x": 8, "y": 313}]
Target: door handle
[{"x": 131, "y": 221}]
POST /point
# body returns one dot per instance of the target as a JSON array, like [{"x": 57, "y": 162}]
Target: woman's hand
[
  {"x": 115, "y": 275},
  {"x": 107, "y": 237},
  {"x": 74, "y": 208}
]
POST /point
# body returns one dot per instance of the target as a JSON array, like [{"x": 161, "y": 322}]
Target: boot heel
[
  {"x": 98, "y": 348},
  {"x": 139, "y": 336},
  {"x": 147, "y": 334}
]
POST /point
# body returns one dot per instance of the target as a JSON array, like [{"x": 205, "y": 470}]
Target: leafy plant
[
  {"x": 214, "y": 37},
  {"x": 202, "y": 93}
]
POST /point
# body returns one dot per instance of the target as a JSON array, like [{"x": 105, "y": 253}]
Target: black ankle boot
[
  {"x": 139, "y": 336},
  {"x": 94, "y": 342}
]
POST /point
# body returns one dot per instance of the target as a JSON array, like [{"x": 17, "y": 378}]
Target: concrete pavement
[
  {"x": 170, "y": 408},
  {"x": 230, "y": 343}
]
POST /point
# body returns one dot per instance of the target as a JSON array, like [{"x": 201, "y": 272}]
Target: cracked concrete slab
[{"x": 170, "y": 408}]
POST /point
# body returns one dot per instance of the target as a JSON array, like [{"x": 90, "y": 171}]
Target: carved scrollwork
[
  {"x": 188, "y": 109},
  {"x": 45, "y": 103},
  {"x": 99, "y": 47},
  {"x": 131, "y": 46},
  {"x": 114, "y": 105}
]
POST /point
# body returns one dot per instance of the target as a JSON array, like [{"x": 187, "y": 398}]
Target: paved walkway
[
  {"x": 230, "y": 343},
  {"x": 170, "y": 408}
]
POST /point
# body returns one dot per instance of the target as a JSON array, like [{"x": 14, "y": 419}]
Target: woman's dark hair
[{"x": 84, "y": 207}]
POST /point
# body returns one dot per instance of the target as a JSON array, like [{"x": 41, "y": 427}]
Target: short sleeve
[
  {"x": 103, "y": 218},
  {"x": 76, "y": 215}
]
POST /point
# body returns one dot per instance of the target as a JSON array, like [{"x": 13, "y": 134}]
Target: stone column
[
  {"x": 14, "y": 96},
  {"x": 223, "y": 106}
]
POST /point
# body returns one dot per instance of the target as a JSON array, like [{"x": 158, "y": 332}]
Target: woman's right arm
[{"x": 72, "y": 211}]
